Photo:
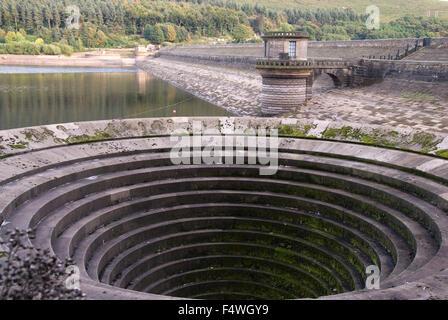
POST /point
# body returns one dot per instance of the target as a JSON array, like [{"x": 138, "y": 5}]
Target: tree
[
  {"x": 14, "y": 14},
  {"x": 286, "y": 27},
  {"x": 258, "y": 24},
  {"x": 72, "y": 40},
  {"x": 45, "y": 34},
  {"x": 66, "y": 49},
  {"x": 56, "y": 17},
  {"x": 79, "y": 45},
  {"x": 88, "y": 34},
  {"x": 241, "y": 33},
  {"x": 154, "y": 34},
  {"x": 29, "y": 23},
  {"x": 10, "y": 37},
  {"x": 182, "y": 34},
  {"x": 22, "y": 32},
  {"x": 169, "y": 32},
  {"x": 38, "y": 18},
  {"x": 91, "y": 37},
  {"x": 100, "y": 39},
  {"x": 47, "y": 16},
  {"x": 55, "y": 35},
  {"x": 6, "y": 14}
]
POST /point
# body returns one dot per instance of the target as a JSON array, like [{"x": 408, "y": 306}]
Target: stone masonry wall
[
  {"x": 282, "y": 95},
  {"x": 320, "y": 44},
  {"x": 421, "y": 70},
  {"x": 230, "y": 61}
]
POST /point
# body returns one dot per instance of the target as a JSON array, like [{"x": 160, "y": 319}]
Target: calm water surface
[{"x": 31, "y": 96}]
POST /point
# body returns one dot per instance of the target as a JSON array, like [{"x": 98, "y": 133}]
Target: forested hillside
[
  {"x": 40, "y": 26},
  {"x": 390, "y": 9}
]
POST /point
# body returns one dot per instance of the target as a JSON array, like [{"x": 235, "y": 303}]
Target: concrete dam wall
[
  {"x": 378, "y": 57},
  {"x": 139, "y": 226}
]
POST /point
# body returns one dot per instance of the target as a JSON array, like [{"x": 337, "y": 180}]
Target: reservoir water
[{"x": 31, "y": 96}]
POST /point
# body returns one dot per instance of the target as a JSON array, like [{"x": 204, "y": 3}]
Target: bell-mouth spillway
[{"x": 107, "y": 195}]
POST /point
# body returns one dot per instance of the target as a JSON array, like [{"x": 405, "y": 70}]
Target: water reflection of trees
[{"x": 33, "y": 99}]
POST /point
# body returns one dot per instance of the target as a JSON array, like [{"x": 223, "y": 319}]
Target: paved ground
[
  {"x": 394, "y": 102},
  {"x": 401, "y": 103}
]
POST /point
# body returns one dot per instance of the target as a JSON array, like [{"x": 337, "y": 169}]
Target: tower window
[
  {"x": 266, "y": 49},
  {"x": 292, "y": 48}
]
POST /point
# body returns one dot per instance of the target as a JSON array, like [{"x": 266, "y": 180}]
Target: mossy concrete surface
[
  {"x": 26, "y": 139},
  {"x": 344, "y": 196}
]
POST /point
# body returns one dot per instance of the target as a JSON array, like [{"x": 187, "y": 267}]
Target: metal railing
[{"x": 305, "y": 64}]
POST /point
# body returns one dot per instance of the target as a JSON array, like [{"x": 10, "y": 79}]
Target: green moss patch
[
  {"x": 356, "y": 134},
  {"x": 418, "y": 96},
  {"x": 6, "y": 155},
  {"x": 289, "y": 131},
  {"x": 427, "y": 141},
  {"x": 98, "y": 136},
  {"x": 422, "y": 142},
  {"x": 35, "y": 135},
  {"x": 442, "y": 153},
  {"x": 19, "y": 145}
]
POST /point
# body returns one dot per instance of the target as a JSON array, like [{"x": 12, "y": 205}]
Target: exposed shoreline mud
[{"x": 76, "y": 60}]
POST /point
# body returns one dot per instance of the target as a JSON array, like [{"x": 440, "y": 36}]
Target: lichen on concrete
[{"x": 23, "y": 140}]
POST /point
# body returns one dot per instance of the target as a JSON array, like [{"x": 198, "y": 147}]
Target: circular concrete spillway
[{"x": 108, "y": 195}]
